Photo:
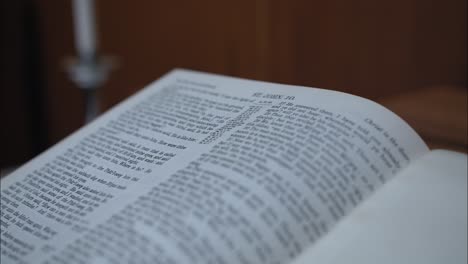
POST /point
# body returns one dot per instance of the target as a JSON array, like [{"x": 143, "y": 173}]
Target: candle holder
[{"x": 89, "y": 75}]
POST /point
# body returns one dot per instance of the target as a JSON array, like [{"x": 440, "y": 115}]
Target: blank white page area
[{"x": 420, "y": 216}]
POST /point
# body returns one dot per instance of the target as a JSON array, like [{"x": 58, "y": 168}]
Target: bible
[{"x": 203, "y": 168}]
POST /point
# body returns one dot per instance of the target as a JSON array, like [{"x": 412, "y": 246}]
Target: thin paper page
[
  {"x": 420, "y": 217},
  {"x": 199, "y": 168}
]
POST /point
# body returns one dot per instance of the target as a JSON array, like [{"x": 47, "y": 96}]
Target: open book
[{"x": 202, "y": 168}]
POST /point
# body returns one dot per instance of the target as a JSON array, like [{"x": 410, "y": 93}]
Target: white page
[
  {"x": 418, "y": 217},
  {"x": 251, "y": 171}
]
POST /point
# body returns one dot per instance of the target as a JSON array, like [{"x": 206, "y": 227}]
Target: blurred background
[{"x": 409, "y": 55}]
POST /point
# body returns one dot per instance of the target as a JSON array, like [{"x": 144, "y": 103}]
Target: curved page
[{"x": 201, "y": 168}]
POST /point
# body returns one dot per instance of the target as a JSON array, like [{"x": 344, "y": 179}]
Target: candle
[{"x": 85, "y": 28}]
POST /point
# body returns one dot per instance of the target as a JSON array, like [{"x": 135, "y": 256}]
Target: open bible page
[
  {"x": 201, "y": 168},
  {"x": 420, "y": 217}
]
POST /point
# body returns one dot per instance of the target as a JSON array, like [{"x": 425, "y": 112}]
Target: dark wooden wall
[{"x": 371, "y": 48}]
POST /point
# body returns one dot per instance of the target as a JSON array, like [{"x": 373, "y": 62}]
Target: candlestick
[
  {"x": 88, "y": 70},
  {"x": 85, "y": 28}
]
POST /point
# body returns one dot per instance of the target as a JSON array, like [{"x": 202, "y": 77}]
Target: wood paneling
[
  {"x": 64, "y": 102},
  {"x": 370, "y": 48},
  {"x": 378, "y": 48},
  {"x": 444, "y": 125}
]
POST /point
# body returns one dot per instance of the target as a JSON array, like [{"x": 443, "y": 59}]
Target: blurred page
[
  {"x": 200, "y": 168},
  {"x": 420, "y": 217}
]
